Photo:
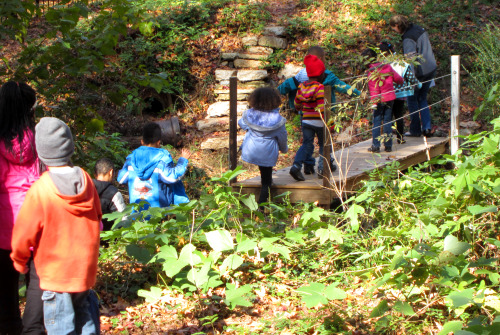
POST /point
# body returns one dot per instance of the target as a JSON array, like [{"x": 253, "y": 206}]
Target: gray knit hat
[{"x": 54, "y": 142}]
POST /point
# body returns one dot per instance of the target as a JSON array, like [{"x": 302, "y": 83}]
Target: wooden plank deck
[{"x": 354, "y": 164}]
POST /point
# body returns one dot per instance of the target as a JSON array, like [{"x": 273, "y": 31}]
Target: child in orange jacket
[{"x": 60, "y": 218}]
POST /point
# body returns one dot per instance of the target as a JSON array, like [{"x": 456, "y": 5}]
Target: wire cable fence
[{"x": 366, "y": 132}]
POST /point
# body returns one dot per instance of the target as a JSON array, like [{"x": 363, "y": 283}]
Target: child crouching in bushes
[
  {"x": 266, "y": 135},
  {"x": 381, "y": 79}
]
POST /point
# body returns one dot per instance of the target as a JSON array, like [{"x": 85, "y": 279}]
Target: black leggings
[
  {"x": 398, "y": 112},
  {"x": 266, "y": 178},
  {"x": 10, "y": 316}
]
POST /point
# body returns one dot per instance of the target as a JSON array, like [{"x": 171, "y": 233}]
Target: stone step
[
  {"x": 221, "y": 108},
  {"x": 242, "y": 75},
  {"x": 211, "y": 125},
  {"x": 225, "y": 97},
  {"x": 224, "y": 85}
]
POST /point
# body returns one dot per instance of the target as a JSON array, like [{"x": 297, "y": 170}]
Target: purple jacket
[{"x": 19, "y": 168}]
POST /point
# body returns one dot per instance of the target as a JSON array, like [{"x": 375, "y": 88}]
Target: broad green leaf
[
  {"x": 313, "y": 294},
  {"x": 153, "y": 295},
  {"x": 295, "y": 236},
  {"x": 334, "y": 293},
  {"x": 462, "y": 298},
  {"x": 404, "y": 308},
  {"x": 141, "y": 254},
  {"x": 232, "y": 262},
  {"x": 188, "y": 257},
  {"x": 199, "y": 277},
  {"x": 352, "y": 214},
  {"x": 476, "y": 209},
  {"x": 246, "y": 245},
  {"x": 380, "y": 310},
  {"x": 238, "y": 296},
  {"x": 220, "y": 240},
  {"x": 250, "y": 202},
  {"x": 313, "y": 216},
  {"x": 451, "y": 326},
  {"x": 332, "y": 234},
  {"x": 453, "y": 245},
  {"x": 464, "y": 332}
]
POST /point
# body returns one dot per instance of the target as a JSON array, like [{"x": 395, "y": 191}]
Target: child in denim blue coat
[{"x": 266, "y": 135}]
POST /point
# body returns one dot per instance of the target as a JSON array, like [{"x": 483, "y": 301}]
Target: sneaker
[
  {"x": 412, "y": 135},
  {"x": 401, "y": 141},
  {"x": 374, "y": 149},
  {"x": 320, "y": 174},
  {"x": 309, "y": 169},
  {"x": 427, "y": 133},
  {"x": 296, "y": 174},
  {"x": 388, "y": 149}
]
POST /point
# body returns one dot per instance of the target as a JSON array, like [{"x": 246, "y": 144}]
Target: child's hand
[{"x": 185, "y": 153}]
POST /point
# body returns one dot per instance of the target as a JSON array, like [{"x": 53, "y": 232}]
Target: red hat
[{"x": 314, "y": 66}]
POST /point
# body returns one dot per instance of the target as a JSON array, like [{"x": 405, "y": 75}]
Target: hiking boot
[
  {"x": 427, "y": 133},
  {"x": 296, "y": 174},
  {"x": 374, "y": 149},
  {"x": 309, "y": 169},
  {"x": 388, "y": 149}
]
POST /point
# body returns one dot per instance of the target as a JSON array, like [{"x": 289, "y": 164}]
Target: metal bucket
[{"x": 170, "y": 130}]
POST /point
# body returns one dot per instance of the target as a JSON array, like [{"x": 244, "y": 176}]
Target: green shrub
[{"x": 485, "y": 71}]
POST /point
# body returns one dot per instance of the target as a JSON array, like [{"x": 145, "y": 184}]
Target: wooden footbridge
[
  {"x": 355, "y": 162},
  {"x": 354, "y": 165}
]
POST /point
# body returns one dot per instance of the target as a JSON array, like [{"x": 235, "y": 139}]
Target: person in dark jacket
[
  {"x": 266, "y": 135},
  {"x": 110, "y": 196},
  {"x": 416, "y": 44}
]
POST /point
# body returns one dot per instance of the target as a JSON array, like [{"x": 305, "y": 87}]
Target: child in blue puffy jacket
[
  {"x": 266, "y": 135},
  {"x": 151, "y": 173}
]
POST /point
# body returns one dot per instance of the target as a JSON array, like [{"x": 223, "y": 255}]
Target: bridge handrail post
[
  {"x": 327, "y": 144},
  {"x": 455, "y": 104}
]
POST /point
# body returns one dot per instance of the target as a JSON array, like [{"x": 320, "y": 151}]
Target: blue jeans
[
  {"x": 67, "y": 313},
  {"x": 306, "y": 150},
  {"x": 383, "y": 114},
  {"x": 418, "y": 101}
]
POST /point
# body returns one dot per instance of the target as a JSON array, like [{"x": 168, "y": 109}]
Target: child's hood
[
  {"x": 145, "y": 159},
  {"x": 20, "y": 153},
  {"x": 381, "y": 68},
  {"x": 80, "y": 203},
  {"x": 263, "y": 121}
]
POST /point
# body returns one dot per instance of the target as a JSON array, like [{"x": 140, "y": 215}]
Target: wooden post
[
  {"x": 455, "y": 104},
  {"x": 327, "y": 149},
  {"x": 233, "y": 123}
]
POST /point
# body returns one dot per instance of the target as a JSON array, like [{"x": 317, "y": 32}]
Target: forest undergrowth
[{"x": 412, "y": 252}]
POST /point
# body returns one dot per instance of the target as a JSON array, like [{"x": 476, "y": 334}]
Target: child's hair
[
  {"x": 399, "y": 21},
  {"x": 151, "y": 133},
  {"x": 103, "y": 166},
  {"x": 386, "y": 47},
  {"x": 264, "y": 99},
  {"x": 16, "y": 111},
  {"x": 317, "y": 51},
  {"x": 369, "y": 53}
]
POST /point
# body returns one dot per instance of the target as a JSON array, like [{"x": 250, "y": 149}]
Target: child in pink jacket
[
  {"x": 19, "y": 168},
  {"x": 381, "y": 79}
]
